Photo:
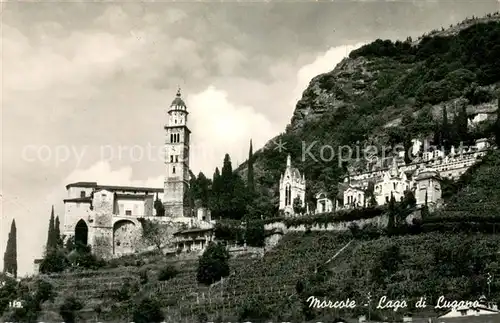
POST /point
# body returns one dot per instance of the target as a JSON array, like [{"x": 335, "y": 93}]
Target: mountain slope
[{"x": 373, "y": 89}]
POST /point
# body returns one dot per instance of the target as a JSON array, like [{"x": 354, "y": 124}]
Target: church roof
[
  {"x": 178, "y": 102},
  {"x": 295, "y": 172},
  {"x": 113, "y": 187}
]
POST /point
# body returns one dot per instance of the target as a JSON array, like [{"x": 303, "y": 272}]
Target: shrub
[
  {"x": 213, "y": 264},
  {"x": 8, "y": 291},
  {"x": 69, "y": 308},
  {"x": 148, "y": 311},
  {"x": 54, "y": 262},
  {"x": 143, "y": 276},
  {"x": 168, "y": 272},
  {"x": 125, "y": 292},
  {"x": 254, "y": 311},
  {"x": 203, "y": 317}
]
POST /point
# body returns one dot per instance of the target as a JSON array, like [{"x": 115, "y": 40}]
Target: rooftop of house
[
  {"x": 194, "y": 230},
  {"x": 94, "y": 185}
]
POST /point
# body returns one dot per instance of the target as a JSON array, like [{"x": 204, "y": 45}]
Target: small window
[
  {"x": 177, "y": 158},
  {"x": 128, "y": 212},
  {"x": 173, "y": 170},
  {"x": 171, "y": 158},
  {"x": 82, "y": 193}
]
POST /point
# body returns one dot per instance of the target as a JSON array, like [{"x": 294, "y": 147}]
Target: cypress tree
[
  {"x": 203, "y": 192},
  {"x": 217, "y": 190},
  {"x": 57, "y": 233},
  {"x": 425, "y": 209},
  {"x": 392, "y": 214},
  {"x": 158, "y": 206},
  {"x": 462, "y": 125},
  {"x": 227, "y": 185},
  {"x": 445, "y": 131},
  {"x": 50, "y": 236},
  {"x": 192, "y": 192},
  {"x": 10, "y": 255},
  {"x": 250, "y": 175},
  {"x": 497, "y": 123}
]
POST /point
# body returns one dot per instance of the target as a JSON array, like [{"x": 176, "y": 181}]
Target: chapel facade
[{"x": 292, "y": 185}]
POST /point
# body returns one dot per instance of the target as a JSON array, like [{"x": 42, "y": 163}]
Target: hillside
[
  {"x": 477, "y": 192},
  {"x": 372, "y": 90},
  {"x": 409, "y": 267},
  {"x": 382, "y": 86}
]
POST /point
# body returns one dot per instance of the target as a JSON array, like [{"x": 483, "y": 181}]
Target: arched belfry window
[{"x": 173, "y": 170}]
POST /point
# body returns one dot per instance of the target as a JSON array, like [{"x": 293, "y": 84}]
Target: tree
[
  {"x": 461, "y": 124},
  {"x": 69, "y": 308},
  {"x": 497, "y": 122},
  {"x": 148, "y": 311},
  {"x": 227, "y": 185},
  {"x": 8, "y": 292},
  {"x": 203, "y": 189},
  {"x": 157, "y": 234},
  {"x": 250, "y": 174},
  {"x": 51, "y": 242},
  {"x": 255, "y": 234},
  {"x": 10, "y": 255},
  {"x": 409, "y": 199},
  {"x": 158, "y": 205},
  {"x": 217, "y": 190},
  {"x": 425, "y": 209},
  {"x": 213, "y": 264},
  {"x": 57, "y": 233},
  {"x": 55, "y": 261},
  {"x": 297, "y": 205},
  {"x": 192, "y": 192},
  {"x": 445, "y": 131},
  {"x": 392, "y": 214},
  {"x": 33, "y": 299}
]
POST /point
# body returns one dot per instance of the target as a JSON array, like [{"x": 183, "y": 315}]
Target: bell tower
[{"x": 176, "y": 159}]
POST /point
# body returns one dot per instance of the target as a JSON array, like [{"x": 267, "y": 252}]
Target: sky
[{"x": 85, "y": 86}]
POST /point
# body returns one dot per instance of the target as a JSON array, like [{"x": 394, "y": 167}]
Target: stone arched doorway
[
  {"x": 125, "y": 234},
  {"x": 81, "y": 233}
]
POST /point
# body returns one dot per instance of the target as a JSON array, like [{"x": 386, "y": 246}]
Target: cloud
[
  {"x": 223, "y": 127},
  {"x": 103, "y": 173}
]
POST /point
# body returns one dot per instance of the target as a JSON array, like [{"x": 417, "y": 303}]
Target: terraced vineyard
[
  {"x": 272, "y": 279},
  {"x": 430, "y": 264},
  {"x": 99, "y": 288}
]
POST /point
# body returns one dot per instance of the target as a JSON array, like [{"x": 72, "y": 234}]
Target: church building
[
  {"x": 292, "y": 185},
  {"x": 177, "y": 159},
  {"x": 109, "y": 218}
]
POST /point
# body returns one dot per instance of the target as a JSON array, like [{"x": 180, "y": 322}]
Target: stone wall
[
  {"x": 126, "y": 236},
  {"x": 281, "y": 229},
  {"x": 101, "y": 226}
]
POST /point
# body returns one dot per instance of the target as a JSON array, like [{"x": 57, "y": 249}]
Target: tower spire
[
  {"x": 288, "y": 161},
  {"x": 178, "y": 91}
]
